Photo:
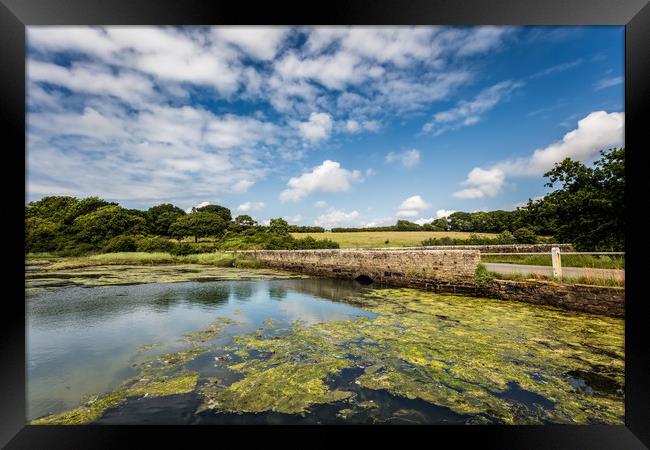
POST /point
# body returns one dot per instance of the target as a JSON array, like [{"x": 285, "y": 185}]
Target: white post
[{"x": 557, "y": 262}]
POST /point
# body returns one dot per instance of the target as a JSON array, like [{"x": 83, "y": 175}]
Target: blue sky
[{"x": 330, "y": 126}]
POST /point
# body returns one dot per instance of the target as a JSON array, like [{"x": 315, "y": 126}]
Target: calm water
[
  {"x": 83, "y": 341},
  {"x": 86, "y": 341}
]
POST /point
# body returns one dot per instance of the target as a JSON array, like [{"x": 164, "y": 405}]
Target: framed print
[{"x": 360, "y": 217}]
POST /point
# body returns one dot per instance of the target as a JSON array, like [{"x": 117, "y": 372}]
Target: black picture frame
[{"x": 15, "y": 15}]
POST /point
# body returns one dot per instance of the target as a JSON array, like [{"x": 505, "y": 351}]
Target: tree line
[
  {"x": 587, "y": 209},
  {"x": 70, "y": 226}
]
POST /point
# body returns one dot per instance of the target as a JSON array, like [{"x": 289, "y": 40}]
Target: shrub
[
  {"x": 182, "y": 249},
  {"x": 279, "y": 242},
  {"x": 525, "y": 236},
  {"x": 311, "y": 243},
  {"x": 120, "y": 244},
  {"x": 505, "y": 237},
  {"x": 483, "y": 277},
  {"x": 154, "y": 244}
]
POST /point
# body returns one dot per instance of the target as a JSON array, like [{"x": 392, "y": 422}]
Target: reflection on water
[
  {"x": 303, "y": 351},
  {"x": 84, "y": 341}
]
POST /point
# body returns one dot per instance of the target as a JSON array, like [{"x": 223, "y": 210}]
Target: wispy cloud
[
  {"x": 557, "y": 68},
  {"x": 470, "y": 112},
  {"x": 408, "y": 159},
  {"x": 608, "y": 82}
]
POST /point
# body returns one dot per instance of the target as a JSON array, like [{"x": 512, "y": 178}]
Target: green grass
[
  {"x": 144, "y": 259},
  {"x": 383, "y": 239},
  {"x": 565, "y": 280},
  {"x": 40, "y": 255},
  {"x": 544, "y": 259}
]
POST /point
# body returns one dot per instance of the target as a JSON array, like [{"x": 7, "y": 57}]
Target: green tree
[
  {"x": 161, "y": 217},
  {"x": 53, "y": 208},
  {"x": 588, "y": 210},
  {"x": 84, "y": 206},
  {"x": 198, "y": 224},
  {"x": 41, "y": 235},
  {"x": 245, "y": 221},
  {"x": 279, "y": 226},
  {"x": 441, "y": 223},
  {"x": 105, "y": 223},
  {"x": 460, "y": 221},
  {"x": 221, "y": 211},
  {"x": 405, "y": 225}
]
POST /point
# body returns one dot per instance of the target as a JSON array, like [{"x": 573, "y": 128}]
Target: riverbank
[
  {"x": 218, "y": 259},
  {"x": 99, "y": 271}
]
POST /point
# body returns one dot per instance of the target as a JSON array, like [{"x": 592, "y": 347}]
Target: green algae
[
  {"x": 158, "y": 376},
  {"x": 473, "y": 356},
  {"x": 212, "y": 331},
  {"x": 289, "y": 380},
  {"x": 288, "y": 388},
  {"x": 492, "y": 361},
  {"x": 167, "y": 386},
  {"x": 95, "y": 407},
  {"x": 51, "y": 277}
]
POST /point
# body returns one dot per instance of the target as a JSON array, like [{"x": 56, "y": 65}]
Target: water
[
  {"x": 85, "y": 341},
  {"x": 446, "y": 359}
]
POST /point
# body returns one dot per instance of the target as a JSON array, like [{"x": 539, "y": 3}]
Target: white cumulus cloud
[
  {"x": 250, "y": 206},
  {"x": 335, "y": 217},
  {"x": 412, "y": 206},
  {"x": 327, "y": 177},
  {"x": 317, "y": 128},
  {"x": 444, "y": 213},
  {"x": 597, "y": 131}
]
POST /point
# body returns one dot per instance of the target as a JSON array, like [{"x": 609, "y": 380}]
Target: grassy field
[
  {"x": 592, "y": 261},
  {"x": 382, "y": 239}
]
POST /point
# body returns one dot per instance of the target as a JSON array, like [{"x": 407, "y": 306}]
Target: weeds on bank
[{"x": 611, "y": 282}]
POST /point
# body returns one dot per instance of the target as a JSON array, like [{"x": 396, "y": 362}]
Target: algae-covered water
[{"x": 294, "y": 351}]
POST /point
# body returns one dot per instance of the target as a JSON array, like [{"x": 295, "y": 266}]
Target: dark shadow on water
[
  {"x": 594, "y": 382},
  {"x": 528, "y": 398}
]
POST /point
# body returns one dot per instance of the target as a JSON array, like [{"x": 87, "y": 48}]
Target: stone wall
[
  {"x": 415, "y": 267},
  {"x": 604, "y": 300},
  {"x": 509, "y": 248},
  {"x": 446, "y": 271}
]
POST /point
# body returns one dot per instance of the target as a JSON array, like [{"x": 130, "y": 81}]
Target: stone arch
[{"x": 363, "y": 279}]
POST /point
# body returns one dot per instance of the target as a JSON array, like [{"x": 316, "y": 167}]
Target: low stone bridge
[
  {"x": 440, "y": 270},
  {"x": 422, "y": 268}
]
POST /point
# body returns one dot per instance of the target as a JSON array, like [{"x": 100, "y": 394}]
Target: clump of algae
[
  {"x": 209, "y": 333},
  {"x": 465, "y": 354},
  {"x": 96, "y": 406},
  {"x": 290, "y": 379},
  {"x": 157, "y": 377}
]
